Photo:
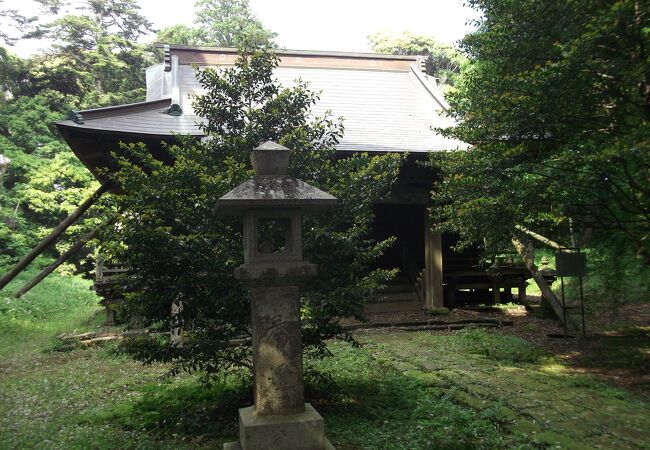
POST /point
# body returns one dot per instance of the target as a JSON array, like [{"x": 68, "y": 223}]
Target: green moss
[
  {"x": 492, "y": 345},
  {"x": 376, "y": 407}
]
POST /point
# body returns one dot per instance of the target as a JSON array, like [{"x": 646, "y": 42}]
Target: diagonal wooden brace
[{"x": 48, "y": 240}]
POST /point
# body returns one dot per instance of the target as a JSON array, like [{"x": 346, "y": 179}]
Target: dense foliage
[
  {"x": 555, "y": 104},
  {"x": 179, "y": 251},
  {"x": 94, "y": 60},
  {"x": 443, "y": 61}
]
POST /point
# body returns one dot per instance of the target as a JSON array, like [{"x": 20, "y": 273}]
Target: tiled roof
[
  {"x": 148, "y": 118},
  {"x": 383, "y": 110}
]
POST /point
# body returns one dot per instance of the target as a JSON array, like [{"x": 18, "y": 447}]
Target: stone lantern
[{"x": 271, "y": 205}]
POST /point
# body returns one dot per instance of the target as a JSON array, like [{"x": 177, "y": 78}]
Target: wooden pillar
[
  {"x": 433, "y": 294},
  {"x": 451, "y": 292},
  {"x": 496, "y": 293}
]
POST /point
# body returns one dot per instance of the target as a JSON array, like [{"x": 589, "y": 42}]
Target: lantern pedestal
[{"x": 304, "y": 430}]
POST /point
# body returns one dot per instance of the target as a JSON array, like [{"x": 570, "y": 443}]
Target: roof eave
[{"x": 69, "y": 125}]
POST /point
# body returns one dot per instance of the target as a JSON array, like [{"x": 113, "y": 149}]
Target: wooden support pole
[
  {"x": 433, "y": 290},
  {"x": 61, "y": 259},
  {"x": 451, "y": 292},
  {"x": 48, "y": 240},
  {"x": 540, "y": 238},
  {"x": 541, "y": 282}
]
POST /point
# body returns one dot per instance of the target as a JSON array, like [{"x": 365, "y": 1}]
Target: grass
[
  {"x": 181, "y": 407},
  {"x": 57, "y": 304},
  {"x": 367, "y": 404},
  {"x": 533, "y": 399},
  {"x": 471, "y": 389}
]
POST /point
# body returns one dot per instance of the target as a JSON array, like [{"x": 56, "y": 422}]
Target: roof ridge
[{"x": 290, "y": 52}]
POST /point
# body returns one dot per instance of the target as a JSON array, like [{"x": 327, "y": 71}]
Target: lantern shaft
[{"x": 277, "y": 350}]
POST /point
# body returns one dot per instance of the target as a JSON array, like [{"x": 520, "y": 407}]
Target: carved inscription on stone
[{"x": 277, "y": 347}]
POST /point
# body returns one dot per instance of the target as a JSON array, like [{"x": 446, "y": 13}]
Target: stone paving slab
[{"x": 542, "y": 401}]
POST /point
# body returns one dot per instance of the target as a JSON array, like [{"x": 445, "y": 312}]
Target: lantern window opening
[{"x": 273, "y": 235}]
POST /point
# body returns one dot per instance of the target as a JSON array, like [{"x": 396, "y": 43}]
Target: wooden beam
[
  {"x": 433, "y": 292},
  {"x": 48, "y": 240},
  {"x": 543, "y": 285},
  {"x": 496, "y": 292},
  {"x": 540, "y": 238},
  {"x": 61, "y": 259}
]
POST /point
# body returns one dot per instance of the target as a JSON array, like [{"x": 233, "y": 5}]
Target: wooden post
[
  {"x": 521, "y": 291},
  {"x": 72, "y": 218},
  {"x": 61, "y": 259},
  {"x": 176, "y": 332},
  {"x": 451, "y": 292},
  {"x": 540, "y": 238},
  {"x": 433, "y": 293},
  {"x": 496, "y": 292}
]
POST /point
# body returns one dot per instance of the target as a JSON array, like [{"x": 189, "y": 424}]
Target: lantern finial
[{"x": 270, "y": 159}]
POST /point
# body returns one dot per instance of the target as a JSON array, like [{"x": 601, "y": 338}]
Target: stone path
[{"x": 543, "y": 402}]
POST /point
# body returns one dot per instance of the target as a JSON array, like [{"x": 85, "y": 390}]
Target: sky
[{"x": 337, "y": 25}]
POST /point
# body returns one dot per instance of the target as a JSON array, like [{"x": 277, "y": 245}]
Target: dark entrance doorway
[{"x": 406, "y": 224}]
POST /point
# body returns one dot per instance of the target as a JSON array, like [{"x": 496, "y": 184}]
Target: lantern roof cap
[{"x": 274, "y": 192}]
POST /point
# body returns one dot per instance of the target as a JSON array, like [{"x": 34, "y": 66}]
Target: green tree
[
  {"x": 95, "y": 55},
  {"x": 93, "y": 61},
  {"x": 179, "y": 35},
  {"x": 221, "y": 23},
  {"x": 229, "y": 23},
  {"x": 443, "y": 60},
  {"x": 178, "y": 251},
  {"x": 555, "y": 104},
  {"x": 45, "y": 181},
  {"x": 12, "y": 74}
]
